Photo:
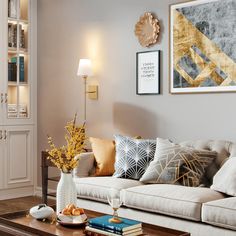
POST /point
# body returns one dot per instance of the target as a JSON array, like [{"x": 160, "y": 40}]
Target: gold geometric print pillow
[{"x": 174, "y": 164}]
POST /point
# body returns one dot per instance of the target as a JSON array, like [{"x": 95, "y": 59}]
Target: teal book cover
[
  {"x": 22, "y": 67},
  {"x": 125, "y": 225}
]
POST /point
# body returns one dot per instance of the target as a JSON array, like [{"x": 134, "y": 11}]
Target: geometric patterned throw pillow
[
  {"x": 174, "y": 164},
  {"x": 133, "y": 156}
]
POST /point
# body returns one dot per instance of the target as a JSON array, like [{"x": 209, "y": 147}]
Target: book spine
[
  {"x": 22, "y": 70},
  {"x": 104, "y": 226},
  {"x": 105, "y": 229},
  {"x": 14, "y": 72},
  {"x": 9, "y": 71},
  {"x": 12, "y": 8}
]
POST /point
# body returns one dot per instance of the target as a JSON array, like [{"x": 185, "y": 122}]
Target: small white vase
[{"x": 66, "y": 191}]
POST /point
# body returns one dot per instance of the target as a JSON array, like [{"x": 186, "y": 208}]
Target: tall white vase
[{"x": 66, "y": 191}]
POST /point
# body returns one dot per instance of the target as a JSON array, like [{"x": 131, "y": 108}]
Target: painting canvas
[{"x": 202, "y": 46}]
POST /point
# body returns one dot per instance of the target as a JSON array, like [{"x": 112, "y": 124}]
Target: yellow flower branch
[{"x": 64, "y": 157}]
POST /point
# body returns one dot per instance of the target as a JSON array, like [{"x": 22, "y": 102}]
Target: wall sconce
[
  {"x": 92, "y": 92},
  {"x": 84, "y": 71}
]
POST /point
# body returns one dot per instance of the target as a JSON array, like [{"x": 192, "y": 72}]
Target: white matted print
[{"x": 148, "y": 72}]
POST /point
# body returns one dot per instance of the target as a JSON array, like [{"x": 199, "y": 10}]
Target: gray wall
[{"x": 103, "y": 30}]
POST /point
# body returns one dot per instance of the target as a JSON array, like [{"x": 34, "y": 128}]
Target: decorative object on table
[
  {"x": 174, "y": 164},
  {"x": 104, "y": 152},
  {"x": 72, "y": 215},
  {"x": 147, "y": 30},
  {"x": 84, "y": 71},
  {"x": 148, "y": 72},
  {"x": 41, "y": 211},
  {"x": 133, "y": 156},
  {"x": 103, "y": 226},
  {"x": 113, "y": 199},
  {"x": 201, "y": 55},
  {"x": 64, "y": 158}
]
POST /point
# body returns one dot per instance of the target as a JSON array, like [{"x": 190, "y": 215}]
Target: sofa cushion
[
  {"x": 174, "y": 164},
  {"x": 225, "y": 179},
  {"x": 224, "y": 149},
  {"x": 97, "y": 188},
  {"x": 175, "y": 200},
  {"x": 133, "y": 156},
  {"x": 85, "y": 164},
  {"x": 104, "y": 153},
  {"x": 220, "y": 213}
]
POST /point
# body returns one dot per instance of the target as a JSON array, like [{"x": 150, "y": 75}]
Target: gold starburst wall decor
[{"x": 147, "y": 29}]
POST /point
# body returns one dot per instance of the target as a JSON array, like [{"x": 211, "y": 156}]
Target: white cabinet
[
  {"x": 2, "y": 159},
  {"x": 18, "y": 156},
  {"x": 18, "y": 97}
]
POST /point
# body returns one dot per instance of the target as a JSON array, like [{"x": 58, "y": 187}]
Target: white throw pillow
[
  {"x": 224, "y": 180},
  {"x": 85, "y": 164}
]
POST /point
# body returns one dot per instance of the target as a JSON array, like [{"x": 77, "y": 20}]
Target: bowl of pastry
[{"x": 72, "y": 215}]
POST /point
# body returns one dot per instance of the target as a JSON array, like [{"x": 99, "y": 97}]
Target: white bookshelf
[{"x": 18, "y": 98}]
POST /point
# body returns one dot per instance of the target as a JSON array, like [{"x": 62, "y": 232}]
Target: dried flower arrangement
[{"x": 64, "y": 157}]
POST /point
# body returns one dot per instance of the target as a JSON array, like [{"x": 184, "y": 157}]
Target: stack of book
[
  {"x": 12, "y": 36},
  {"x": 13, "y": 110},
  {"x": 12, "y": 6},
  {"x": 102, "y": 226}
]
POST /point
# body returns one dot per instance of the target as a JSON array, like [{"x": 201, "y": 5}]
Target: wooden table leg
[{"x": 44, "y": 172}]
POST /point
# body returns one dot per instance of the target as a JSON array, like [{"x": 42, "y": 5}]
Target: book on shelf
[
  {"x": 12, "y": 72},
  {"x": 22, "y": 67},
  {"x": 95, "y": 231},
  {"x": 12, "y": 35},
  {"x": 125, "y": 225},
  {"x": 12, "y": 8},
  {"x": 22, "y": 38}
]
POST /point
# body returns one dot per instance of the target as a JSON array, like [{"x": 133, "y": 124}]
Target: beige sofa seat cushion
[
  {"x": 174, "y": 200},
  {"x": 97, "y": 188},
  {"x": 220, "y": 213}
]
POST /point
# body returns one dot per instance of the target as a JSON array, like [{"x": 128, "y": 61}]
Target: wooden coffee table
[{"x": 18, "y": 224}]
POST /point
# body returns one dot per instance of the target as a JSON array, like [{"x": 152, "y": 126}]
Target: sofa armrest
[{"x": 85, "y": 164}]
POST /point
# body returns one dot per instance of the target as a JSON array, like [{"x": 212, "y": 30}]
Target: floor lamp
[{"x": 85, "y": 70}]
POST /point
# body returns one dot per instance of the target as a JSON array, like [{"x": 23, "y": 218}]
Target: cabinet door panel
[
  {"x": 1, "y": 160},
  {"x": 19, "y": 158}
]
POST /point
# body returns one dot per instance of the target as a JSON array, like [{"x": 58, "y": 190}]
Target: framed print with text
[
  {"x": 148, "y": 73},
  {"x": 202, "y": 42}
]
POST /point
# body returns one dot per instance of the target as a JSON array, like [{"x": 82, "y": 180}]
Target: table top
[{"x": 18, "y": 223}]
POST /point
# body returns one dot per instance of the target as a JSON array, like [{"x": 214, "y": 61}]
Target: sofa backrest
[{"x": 224, "y": 149}]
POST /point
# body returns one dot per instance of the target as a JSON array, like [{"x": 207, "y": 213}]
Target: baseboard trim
[
  {"x": 16, "y": 192},
  {"x": 38, "y": 192}
]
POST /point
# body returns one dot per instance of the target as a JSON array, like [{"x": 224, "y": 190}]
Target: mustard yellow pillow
[{"x": 104, "y": 153}]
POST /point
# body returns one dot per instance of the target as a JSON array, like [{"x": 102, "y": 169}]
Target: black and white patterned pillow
[{"x": 133, "y": 156}]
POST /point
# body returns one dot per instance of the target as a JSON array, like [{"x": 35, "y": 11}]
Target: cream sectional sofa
[{"x": 200, "y": 210}]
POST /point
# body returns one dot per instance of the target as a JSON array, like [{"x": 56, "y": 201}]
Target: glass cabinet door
[{"x": 18, "y": 85}]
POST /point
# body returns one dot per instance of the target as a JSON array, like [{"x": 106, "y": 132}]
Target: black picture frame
[{"x": 148, "y": 72}]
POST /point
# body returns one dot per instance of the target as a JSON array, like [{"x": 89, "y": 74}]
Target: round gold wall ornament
[{"x": 147, "y": 30}]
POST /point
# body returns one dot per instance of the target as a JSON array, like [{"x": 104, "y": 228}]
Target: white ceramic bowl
[
  {"x": 41, "y": 211},
  {"x": 65, "y": 219}
]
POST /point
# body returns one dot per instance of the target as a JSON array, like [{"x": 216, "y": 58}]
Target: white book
[
  {"x": 13, "y": 8},
  {"x": 99, "y": 231}
]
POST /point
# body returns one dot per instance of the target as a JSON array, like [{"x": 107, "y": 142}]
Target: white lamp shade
[{"x": 85, "y": 68}]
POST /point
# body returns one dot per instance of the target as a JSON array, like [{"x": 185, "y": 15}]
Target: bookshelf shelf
[{"x": 18, "y": 57}]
